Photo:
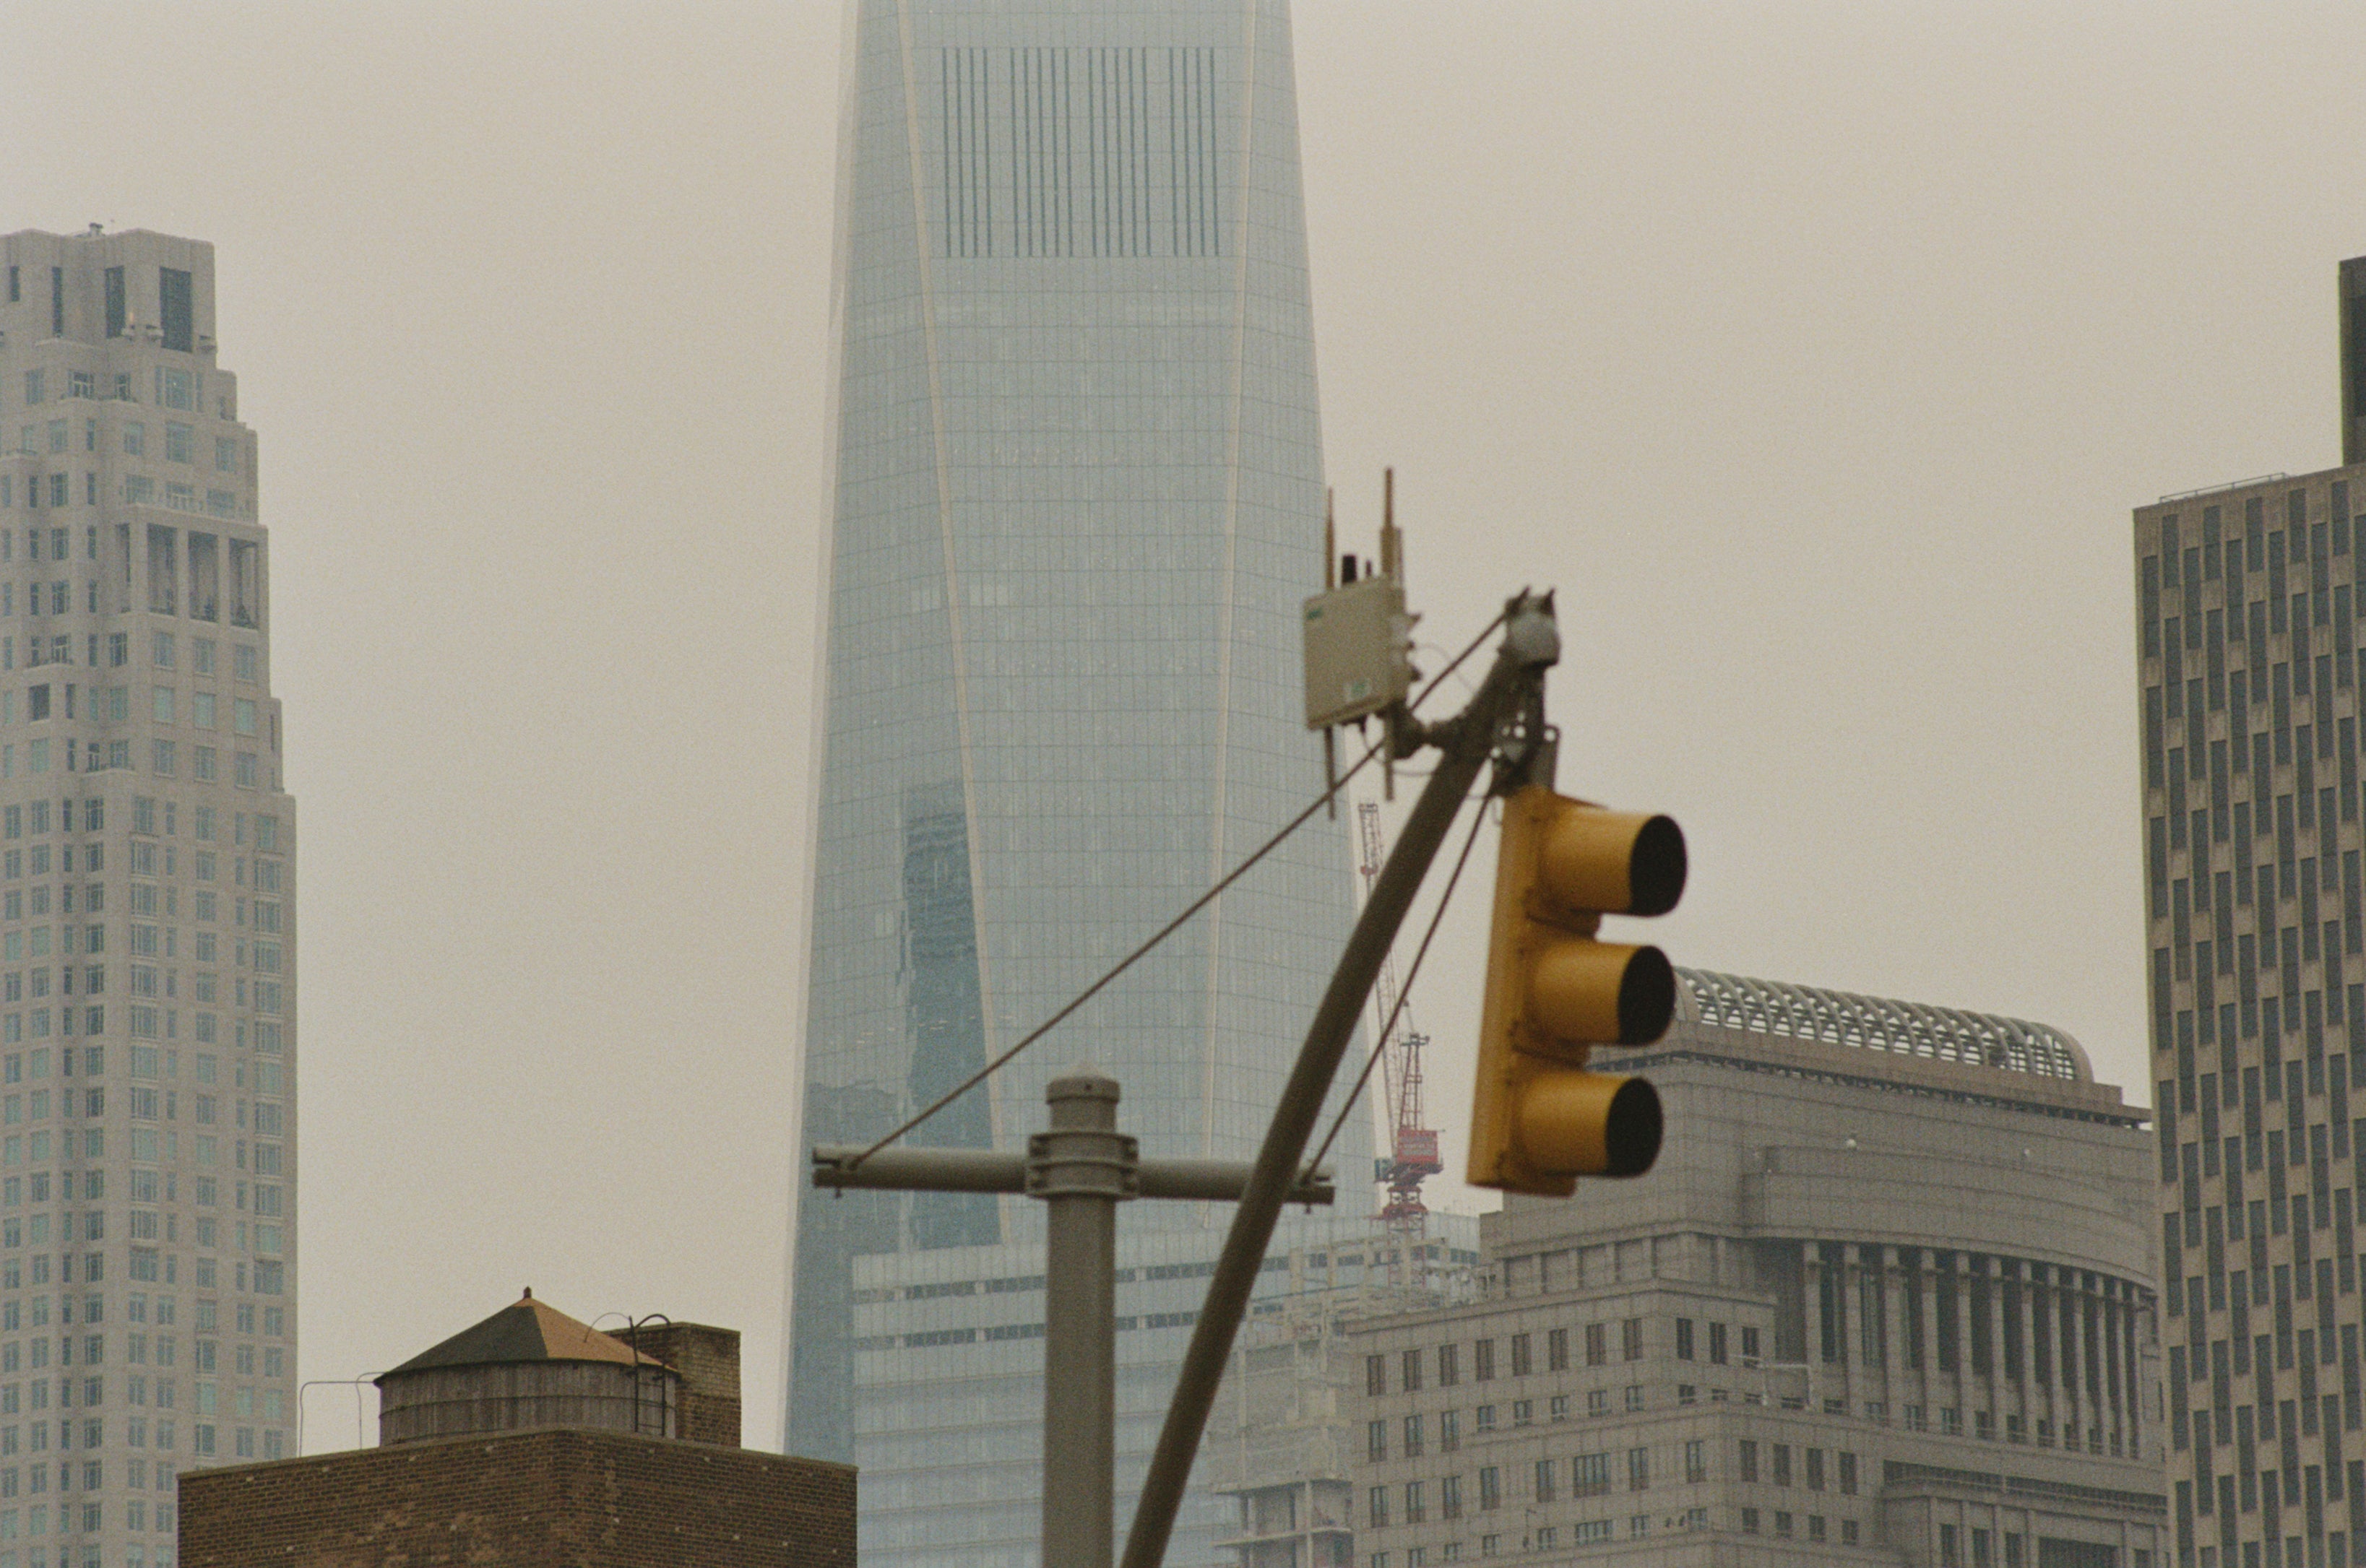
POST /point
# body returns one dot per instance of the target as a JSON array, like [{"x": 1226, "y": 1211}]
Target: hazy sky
[{"x": 1816, "y": 354}]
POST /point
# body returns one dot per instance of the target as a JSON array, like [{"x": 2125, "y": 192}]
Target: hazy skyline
[{"x": 1816, "y": 354}]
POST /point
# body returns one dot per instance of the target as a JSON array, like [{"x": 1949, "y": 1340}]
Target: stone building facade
[{"x": 1886, "y": 1298}]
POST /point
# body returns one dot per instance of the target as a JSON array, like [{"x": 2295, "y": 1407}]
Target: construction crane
[{"x": 1413, "y": 1147}]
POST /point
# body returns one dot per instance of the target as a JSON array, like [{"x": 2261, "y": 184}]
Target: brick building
[{"x": 532, "y": 1438}]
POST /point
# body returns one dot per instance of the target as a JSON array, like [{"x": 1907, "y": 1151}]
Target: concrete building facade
[
  {"x": 148, "y": 1170},
  {"x": 1886, "y": 1298},
  {"x": 2248, "y": 601}
]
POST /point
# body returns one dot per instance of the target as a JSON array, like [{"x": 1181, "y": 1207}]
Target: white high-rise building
[{"x": 147, "y": 912}]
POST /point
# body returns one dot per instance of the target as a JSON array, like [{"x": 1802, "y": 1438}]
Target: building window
[
  {"x": 1546, "y": 1471},
  {"x": 1482, "y": 1360},
  {"x": 1589, "y": 1475},
  {"x": 1684, "y": 1339},
  {"x": 1521, "y": 1365},
  {"x": 1630, "y": 1338},
  {"x": 1416, "y": 1506},
  {"x": 1490, "y": 1487},
  {"x": 176, "y": 309},
  {"x": 1560, "y": 1411},
  {"x": 1376, "y": 1440},
  {"x": 1450, "y": 1431},
  {"x": 1376, "y": 1509},
  {"x": 1638, "y": 1470},
  {"x": 1413, "y": 1437},
  {"x": 1412, "y": 1371},
  {"x": 1848, "y": 1473},
  {"x": 1815, "y": 1470},
  {"x": 1597, "y": 1344},
  {"x": 1634, "y": 1396},
  {"x": 1449, "y": 1497},
  {"x": 1695, "y": 1460},
  {"x": 1815, "y": 1526},
  {"x": 1782, "y": 1454},
  {"x": 1376, "y": 1375},
  {"x": 1748, "y": 1345},
  {"x": 1750, "y": 1521},
  {"x": 1746, "y": 1459},
  {"x": 1449, "y": 1371}
]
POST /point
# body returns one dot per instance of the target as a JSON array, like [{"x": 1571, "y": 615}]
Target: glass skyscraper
[
  {"x": 147, "y": 912},
  {"x": 1078, "y": 504},
  {"x": 2250, "y": 672}
]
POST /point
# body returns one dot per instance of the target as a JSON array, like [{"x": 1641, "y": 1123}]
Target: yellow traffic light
[{"x": 1540, "y": 1119}]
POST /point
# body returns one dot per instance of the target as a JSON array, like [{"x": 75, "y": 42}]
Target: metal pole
[
  {"x": 1083, "y": 1168},
  {"x": 1531, "y": 642}
]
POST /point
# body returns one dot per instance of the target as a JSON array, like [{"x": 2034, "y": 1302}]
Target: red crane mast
[{"x": 1412, "y": 1147}]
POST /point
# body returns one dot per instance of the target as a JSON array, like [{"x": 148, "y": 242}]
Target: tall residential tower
[
  {"x": 2248, "y": 598},
  {"x": 147, "y": 910},
  {"x": 1078, "y": 500}
]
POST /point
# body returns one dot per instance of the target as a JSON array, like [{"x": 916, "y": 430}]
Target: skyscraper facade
[
  {"x": 2248, "y": 602},
  {"x": 147, "y": 910},
  {"x": 1077, "y": 502}
]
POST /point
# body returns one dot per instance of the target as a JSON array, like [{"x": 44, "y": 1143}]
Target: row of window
[
  {"x": 1548, "y": 1538},
  {"x": 33, "y": 819},
  {"x": 56, "y": 491},
  {"x": 1521, "y": 1354},
  {"x": 164, "y": 647},
  {"x": 204, "y": 710},
  {"x": 55, "y": 438},
  {"x": 1590, "y": 1475},
  {"x": 205, "y": 766}
]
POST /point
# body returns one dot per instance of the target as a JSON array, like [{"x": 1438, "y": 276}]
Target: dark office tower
[
  {"x": 2248, "y": 598},
  {"x": 1078, "y": 501},
  {"x": 147, "y": 910}
]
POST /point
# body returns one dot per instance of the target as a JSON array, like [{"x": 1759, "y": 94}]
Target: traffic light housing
[{"x": 1540, "y": 1119}]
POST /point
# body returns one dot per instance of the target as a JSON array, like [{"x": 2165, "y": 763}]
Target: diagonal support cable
[
  {"x": 1404, "y": 993},
  {"x": 1164, "y": 932}
]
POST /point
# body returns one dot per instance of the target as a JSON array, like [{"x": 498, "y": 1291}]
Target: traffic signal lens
[
  {"x": 1590, "y": 1124},
  {"x": 1618, "y": 862},
  {"x": 1603, "y": 991}
]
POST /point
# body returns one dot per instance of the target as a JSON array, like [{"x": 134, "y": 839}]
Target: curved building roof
[{"x": 1880, "y": 1023}]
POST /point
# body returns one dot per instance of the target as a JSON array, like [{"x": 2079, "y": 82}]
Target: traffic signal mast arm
[{"x": 1504, "y": 722}]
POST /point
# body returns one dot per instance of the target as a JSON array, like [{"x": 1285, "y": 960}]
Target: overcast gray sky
[{"x": 1817, "y": 353}]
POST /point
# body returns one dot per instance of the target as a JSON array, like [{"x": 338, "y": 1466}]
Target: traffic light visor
[
  {"x": 1602, "y": 991},
  {"x": 1589, "y": 1124},
  {"x": 1618, "y": 862}
]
